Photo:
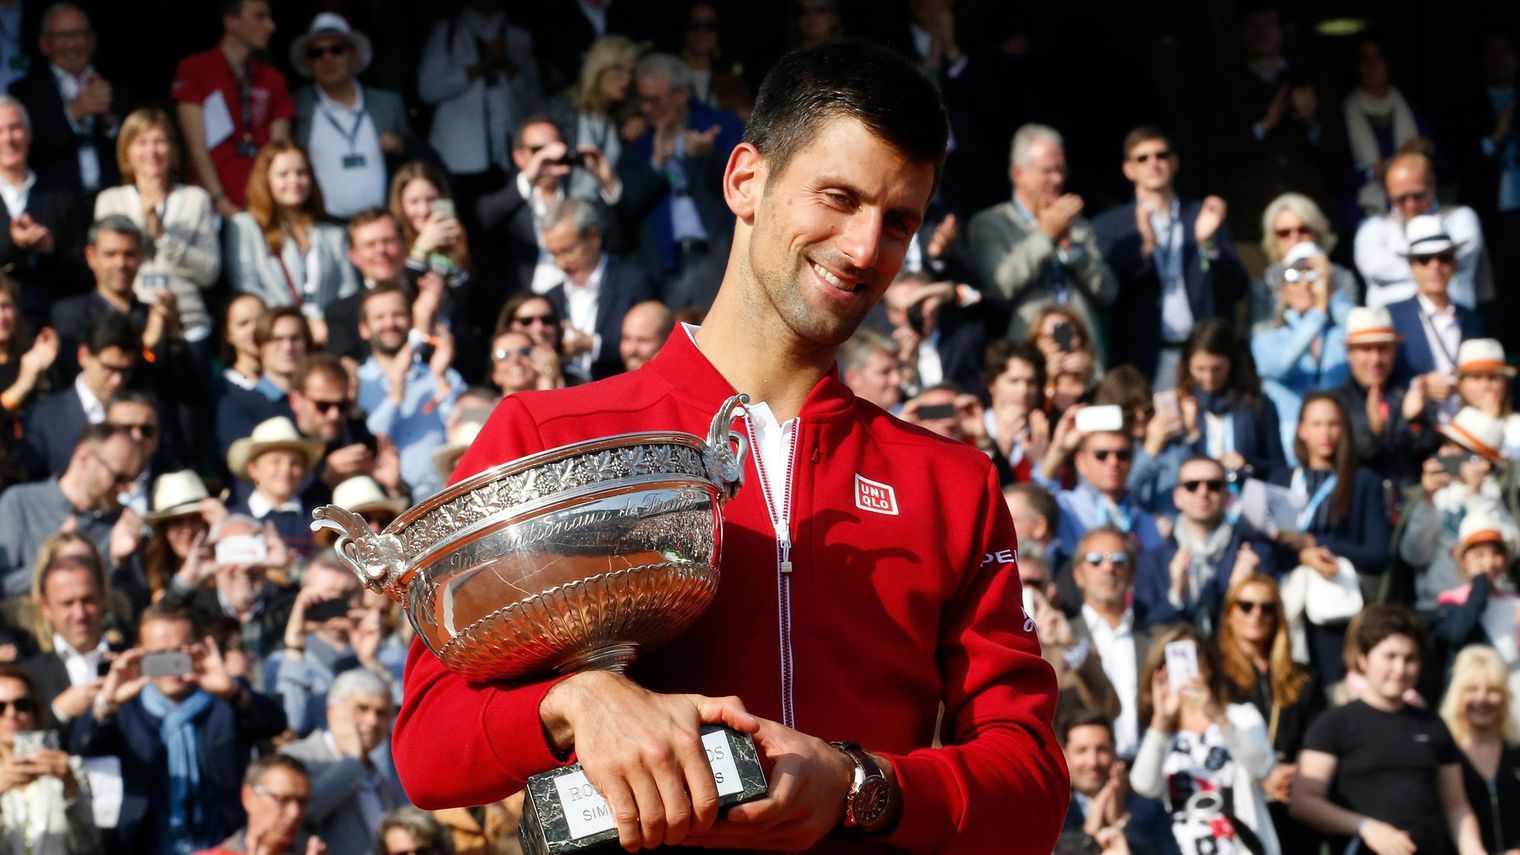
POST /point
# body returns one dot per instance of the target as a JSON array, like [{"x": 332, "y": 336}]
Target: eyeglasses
[
  {"x": 533, "y": 320},
  {"x": 1442, "y": 257},
  {"x": 20, "y": 705},
  {"x": 145, "y": 430},
  {"x": 318, "y": 51},
  {"x": 120, "y": 370},
  {"x": 1299, "y": 230},
  {"x": 1123, "y": 454},
  {"x": 283, "y": 799},
  {"x": 1163, "y": 154},
  {"x": 1295, "y": 275},
  {"x": 329, "y": 406},
  {"x": 1118, "y": 559},
  {"x": 118, "y": 478},
  {"x": 1405, "y": 198},
  {"x": 1250, "y": 606},
  {"x": 503, "y": 353},
  {"x": 1215, "y": 485}
]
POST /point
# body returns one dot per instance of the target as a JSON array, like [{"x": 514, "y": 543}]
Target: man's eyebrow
[{"x": 826, "y": 180}]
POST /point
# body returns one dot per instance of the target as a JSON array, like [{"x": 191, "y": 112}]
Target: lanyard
[
  {"x": 1110, "y": 512},
  {"x": 1168, "y": 250},
  {"x": 1430, "y": 325},
  {"x": 351, "y": 136},
  {"x": 1300, "y": 488}
]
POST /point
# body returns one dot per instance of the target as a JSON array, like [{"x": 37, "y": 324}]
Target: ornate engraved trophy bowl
[{"x": 569, "y": 559}]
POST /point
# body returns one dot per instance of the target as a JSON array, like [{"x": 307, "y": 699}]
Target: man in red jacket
[{"x": 869, "y": 567}]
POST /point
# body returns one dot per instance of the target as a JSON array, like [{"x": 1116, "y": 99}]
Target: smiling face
[
  {"x": 19, "y": 710},
  {"x": 1041, "y": 178},
  {"x": 417, "y": 199},
  {"x": 73, "y": 605},
  {"x": 68, "y": 41},
  {"x": 1391, "y": 667},
  {"x": 149, "y": 153},
  {"x": 828, "y": 234},
  {"x": 1151, "y": 165},
  {"x": 1090, "y": 756},
  {"x": 15, "y": 139},
  {"x": 289, "y": 179},
  {"x": 242, "y": 317}
]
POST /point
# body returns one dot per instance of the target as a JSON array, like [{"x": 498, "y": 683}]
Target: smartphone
[
  {"x": 573, "y": 158},
  {"x": 327, "y": 610},
  {"x": 1104, "y": 418},
  {"x": 443, "y": 209},
  {"x": 1452, "y": 463},
  {"x": 242, "y": 549},
  {"x": 1181, "y": 664},
  {"x": 1062, "y": 334},
  {"x": 154, "y": 281},
  {"x": 934, "y": 412},
  {"x": 1166, "y": 403},
  {"x": 103, "y": 668},
  {"x": 30, "y": 742},
  {"x": 167, "y": 663}
]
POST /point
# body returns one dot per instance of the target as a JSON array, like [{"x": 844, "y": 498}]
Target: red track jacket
[{"x": 882, "y": 617}]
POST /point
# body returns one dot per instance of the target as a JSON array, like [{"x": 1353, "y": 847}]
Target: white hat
[
  {"x": 1301, "y": 252},
  {"x": 330, "y": 24},
  {"x": 1482, "y": 356},
  {"x": 176, "y": 494},
  {"x": 278, "y": 432},
  {"x": 1476, "y": 431},
  {"x": 1368, "y": 325},
  {"x": 1485, "y": 524},
  {"x": 362, "y": 493},
  {"x": 1427, "y": 236}
]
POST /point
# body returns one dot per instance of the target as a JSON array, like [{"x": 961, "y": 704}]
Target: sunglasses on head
[
  {"x": 319, "y": 51},
  {"x": 1119, "y": 559},
  {"x": 1124, "y": 454},
  {"x": 20, "y": 705},
  {"x": 1250, "y": 606},
  {"x": 1442, "y": 257},
  {"x": 1163, "y": 154},
  {"x": 1291, "y": 231},
  {"x": 1215, "y": 485}
]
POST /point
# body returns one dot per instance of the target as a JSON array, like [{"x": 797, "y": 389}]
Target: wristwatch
[{"x": 869, "y": 802}]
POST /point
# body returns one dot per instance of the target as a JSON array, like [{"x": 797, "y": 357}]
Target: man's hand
[
  {"x": 365, "y": 640},
  {"x": 1246, "y": 564},
  {"x": 125, "y": 679},
  {"x": 1436, "y": 386},
  {"x": 943, "y": 236},
  {"x": 643, "y": 752},
  {"x": 545, "y": 163},
  {"x": 29, "y": 235},
  {"x": 387, "y": 471},
  {"x": 1056, "y": 218},
  {"x": 92, "y": 100},
  {"x": 39, "y": 357},
  {"x": 346, "y": 736},
  {"x": 395, "y": 374},
  {"x": 1210, "y": 217},
  {"x": 1305, "y": 103},
  {"x": 1177, "y": 571},
  {"x": 392, "y": 143},
  {"x": 700, "y": 143},
  {"x": 443, "y": 358},
  {"x": 430, "y": 292},
  {"x": 75, "y": 701},
  {"x": 597, "y": 164},
  {"x": 1274, "y": 110},
  {"x": 346, "y": 462},
  {"x": 1433, "y": 477},
  {"x": 126, "y": 534},
  {"x": 211, "y": 670},
  {"x": 1146, "y": 229},
  {"x": 1384, "y": 839},
  {"x": 808, "y": 786}
]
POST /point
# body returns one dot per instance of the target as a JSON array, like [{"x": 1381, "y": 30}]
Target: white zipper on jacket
[{"x": 779, "y": 507}]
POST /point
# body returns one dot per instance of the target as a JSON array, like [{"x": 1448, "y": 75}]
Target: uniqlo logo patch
[{"x": 875, "y": 496}]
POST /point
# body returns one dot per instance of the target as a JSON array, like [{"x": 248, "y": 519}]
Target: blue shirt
[
  {"x": 1084, "y": 508},
  {"x": 416, "y": 426}
]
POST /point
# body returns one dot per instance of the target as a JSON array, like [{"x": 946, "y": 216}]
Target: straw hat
[
  {"x": 1476, "y": 431},
  {"x": 362, "y": 493},
  {"x": 1482, "y": 356},
  {"x": 330, "y": 24},
  {"x": 461, "y": 434},
  {"x": 176, "y": 494},
  {"x": 278, "y": 432},
  {"x": 1366, "y": 325},
  {"x": 1427, "y": 236}
]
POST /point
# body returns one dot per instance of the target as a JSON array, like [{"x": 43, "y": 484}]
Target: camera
[{"x": 573, "y": 158}]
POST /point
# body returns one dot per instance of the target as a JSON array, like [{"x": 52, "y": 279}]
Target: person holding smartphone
[
  {"x": 423, "y": 203},
  {"x": 35, "y": 775}
]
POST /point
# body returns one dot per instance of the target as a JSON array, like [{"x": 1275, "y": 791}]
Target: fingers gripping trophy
[{"x": 570, "y": 559}]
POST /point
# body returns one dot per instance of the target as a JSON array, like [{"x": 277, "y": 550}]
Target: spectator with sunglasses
[
  {"x": 104, "y": 462},
  {"x": 37, "y": 779},
  {"x": 136, "y": 415},
  {"x": 1288, "y": 223},
  {"x": 513, "y": 368},
  {"x": 1255, "y": 656},
  {"x": 1383, "y": 243},
  {"x": 1389, "y": 422},
  {"x": 1185, "y": 578},
  {"x": 1432, "y": 321},
  {"x": 323, "y": 405},
  {"x": 1101, "y": 496},
  {"x": 538, "y": 319},
  {"x": 1112, "y": 634}
]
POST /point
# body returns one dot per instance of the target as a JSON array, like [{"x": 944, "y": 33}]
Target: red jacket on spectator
[{"x": 889, "y": 614}]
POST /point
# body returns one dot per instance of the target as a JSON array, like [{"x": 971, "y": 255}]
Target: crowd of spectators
[{"x": 1265, "y": 490}]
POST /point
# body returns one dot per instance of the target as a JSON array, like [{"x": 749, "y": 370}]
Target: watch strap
[{"x": 866, "y": 767}]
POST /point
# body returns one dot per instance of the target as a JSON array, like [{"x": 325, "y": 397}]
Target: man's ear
[{"x": 744, "y": 181}]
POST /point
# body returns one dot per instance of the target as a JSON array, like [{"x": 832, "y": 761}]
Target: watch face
[{"x": 871, "y": 801}]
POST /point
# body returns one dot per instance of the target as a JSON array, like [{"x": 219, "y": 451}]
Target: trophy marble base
[{"x": 563, "y": 813}]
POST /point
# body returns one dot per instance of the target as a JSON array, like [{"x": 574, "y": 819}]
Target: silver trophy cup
[{"x": 569, "y": 559}]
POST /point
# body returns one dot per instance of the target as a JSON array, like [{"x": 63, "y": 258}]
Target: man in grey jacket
[
  {"x": 1037, "y": 248},
  {"x": 353, "y": 782}
]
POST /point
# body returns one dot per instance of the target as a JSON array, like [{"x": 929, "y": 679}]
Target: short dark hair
[
  {"x": 536, "y": 119},
  {"x": 167, "y": 614},
  {"x": 113, "y": 329},
  {"x": 258, "y": 768},
  {"x": 118, "y": 224},
  {"x": 132, "y": 396},
  {"x": 94, "y": 434},
  {"x": 1040, "y": 501},
  {"x": 320, "y": 362},
  {"x": 850, "y": 78},
  {"x": 365, "y": 216},
  {"x": 379, "y": 291},
  {"x": 263, "y": 328},
  {"x": 995, "y": 362},
  {"x": 1081, "y": 718},
  {"x": 1142, "y": 134},
  {"x": 1378, "y": 622}
]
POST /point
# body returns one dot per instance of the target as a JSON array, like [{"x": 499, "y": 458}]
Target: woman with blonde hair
[
  {"x": 596, "y": 111},
  {"x": 1479, "y": 710},
  {"x": 1288, "y": 223},
  {"x": 178, "y": 221},
  {"x": 281, "y": 249}
]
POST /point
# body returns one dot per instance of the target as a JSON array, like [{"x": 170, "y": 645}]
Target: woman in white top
[
  {"x": 1204, "y": 757},
  {"x": 280, "y": 249},
  {"x": 178, "y": 221},
  {"x": 44, "y": 794}
]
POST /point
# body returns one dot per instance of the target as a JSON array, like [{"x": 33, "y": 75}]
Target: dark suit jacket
[
  {"x": 226, "y": 737},
  {"x": 1213, "y": 286},
  {"x": 1153, "y": 579},
  {"x": 962, "y": 344},
  {"x": 49, "y": 680},
  {"x": 1148, "y": 832},
  {"x": 1414, "y": 357},
  {"x": 623, "y": 287},
  {"x": 564, "y": 34},
  {"x": 1398, "y": 451},
  {"x": 52, "y": 426},
  {"x": 62, "y": 273},
  {"x": 239, "y": 411},
  {"x": 1258, "y": 434},
  {"x": 55, "y": 145},
  {"x": 511, "y": 250}
]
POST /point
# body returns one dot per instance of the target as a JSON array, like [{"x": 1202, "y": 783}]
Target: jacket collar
[{"x": 692, "y": 377}]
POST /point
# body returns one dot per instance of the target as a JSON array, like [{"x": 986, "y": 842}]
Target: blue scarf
[{"x": 177, "y": 730}]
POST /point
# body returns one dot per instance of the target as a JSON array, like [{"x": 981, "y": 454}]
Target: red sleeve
[
  {"x": 458, "y": 743},
  {"x": 280, "y": 104},
  {"x": 1000, "y": 783},
  {"x": 189, "y": 84}
]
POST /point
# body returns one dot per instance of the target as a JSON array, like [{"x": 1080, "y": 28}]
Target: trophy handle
[
  {"x": 376, "y": 559},
  {"x": 726, "y": 448}
]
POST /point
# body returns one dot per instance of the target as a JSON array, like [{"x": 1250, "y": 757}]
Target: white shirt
[
  {"x": 69, "y": 88},
  {"x": 260, "y": 506},
  {"x": 346, "y": 157},
  {"x": 1116, "y": 651},
  {"x": 685, "y": 220},
  {"x": 82, "y": 667},
  {"x": 1380, "y": 240},
  {"x": 581, "y": 308},
  {"x": 94, "y": 409},
  {"x": 1441, "y": 332},
  {"x": 931, "y": 369},
  {"x": 15, "y": 197},
  {"x": 546, "y": 274}
]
